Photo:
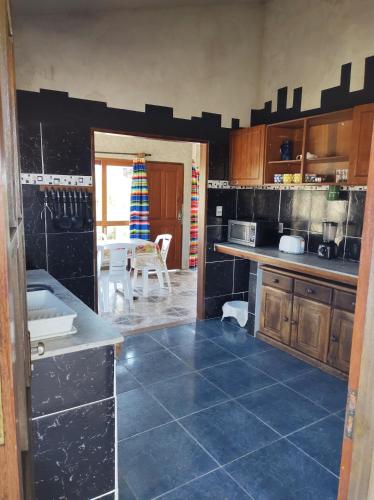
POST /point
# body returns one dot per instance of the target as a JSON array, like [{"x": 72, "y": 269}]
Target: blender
[{"x": 328, "y": 248}]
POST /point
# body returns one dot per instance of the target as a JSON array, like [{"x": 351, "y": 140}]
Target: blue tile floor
[{"x": 206, "y": 411}]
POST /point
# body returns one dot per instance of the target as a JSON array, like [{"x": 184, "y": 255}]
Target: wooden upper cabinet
[
  {"x": 310, "y": 328},
  {"x": 362, "y": 130},
  {"x": 247, "y": 151}
]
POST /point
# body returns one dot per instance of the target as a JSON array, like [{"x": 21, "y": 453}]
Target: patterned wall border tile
[
  {"x": 56, "y": 180},
  {"x": 217, "y": 184}
]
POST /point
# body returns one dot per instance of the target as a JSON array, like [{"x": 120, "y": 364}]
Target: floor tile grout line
[
  {"x": 201, "y": 446},
  {"x": 246, "y": 409},
  {"x": 306, "y": 426},
  {"x": 184, "y": 484},
  {"x": 309, "y": 456},
  {"x": 306, "y": 397},
  {"x": 232, "y": 399}
]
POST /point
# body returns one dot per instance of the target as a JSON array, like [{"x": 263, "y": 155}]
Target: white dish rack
[{"x": 48, "y": 316}]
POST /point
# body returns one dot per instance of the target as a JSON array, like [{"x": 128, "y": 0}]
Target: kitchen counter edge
[
  {"x": 343, "y": 271},
  {"x": 92, "y": 330}
]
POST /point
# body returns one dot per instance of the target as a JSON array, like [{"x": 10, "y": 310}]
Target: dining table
[{"x": 143, "y": 249}]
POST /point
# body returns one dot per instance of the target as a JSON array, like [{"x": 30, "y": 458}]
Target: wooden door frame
[
  {"x": 357, "y": 465},
  {"x": 202, "y": 211}
]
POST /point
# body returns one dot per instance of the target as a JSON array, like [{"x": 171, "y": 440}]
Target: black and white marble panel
[
  {"x": 74, "y": 379},
  {"x": 70, "y": 255},
  {"x": 35, "y": 249},
  {"x": 82, "y": 287},
  {"x": 74, "y": 452}
]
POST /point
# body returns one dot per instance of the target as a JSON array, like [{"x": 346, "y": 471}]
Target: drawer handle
[
  {"x": 275, "y": 280},
  {"x": 310, "y": 291},
  {"x": 293, "y": 322},
  {"x": 354, "y": 304},
  {"x": 285, "y": 319},
  {"x": 335, "y": 338}
]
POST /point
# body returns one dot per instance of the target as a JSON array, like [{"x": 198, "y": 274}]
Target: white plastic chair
[
  {"x": 146, "y": 262},
  {"x": 121, "y": 257},
  {"x": 164, "y": 250}
]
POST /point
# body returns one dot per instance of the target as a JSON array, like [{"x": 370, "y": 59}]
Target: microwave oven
[{"x": 253, "y": 233}]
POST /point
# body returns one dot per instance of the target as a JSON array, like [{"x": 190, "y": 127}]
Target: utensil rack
[{"x": 62, "y": 187}]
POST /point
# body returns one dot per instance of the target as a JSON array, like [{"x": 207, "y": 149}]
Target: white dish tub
[{"x": 48, "y": 316}]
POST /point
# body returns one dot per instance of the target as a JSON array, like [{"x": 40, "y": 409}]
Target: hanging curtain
[
  {"x": 194, "y": 215},
  {"x": 139, "y": 209}
]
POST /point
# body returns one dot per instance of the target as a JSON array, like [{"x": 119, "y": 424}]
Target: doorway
[{"x": 172, "y": 202}]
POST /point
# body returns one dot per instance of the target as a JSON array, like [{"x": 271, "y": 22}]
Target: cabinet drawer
[
  {"x": 277, "y": 281},
  {"x": 312, "y": 291},
  {"x": 345, "y": 300}
]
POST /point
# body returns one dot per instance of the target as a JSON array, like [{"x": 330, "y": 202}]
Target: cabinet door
[
  {"x": 341, "y": 339},
  {"x": 362, "y": 130},
  {"x": 310, "y": 327},
  {"x": 275, "y": 319},
  {"x": 247, "y": 148}
]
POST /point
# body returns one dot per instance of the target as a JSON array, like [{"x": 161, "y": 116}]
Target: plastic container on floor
[{"x": 237, "y": 309}]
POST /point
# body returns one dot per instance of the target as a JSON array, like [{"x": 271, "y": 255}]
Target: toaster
[{"x": 292, "y": 244}]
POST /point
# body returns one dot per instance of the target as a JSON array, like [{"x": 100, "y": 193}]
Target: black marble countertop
[
  {"x": 339, "y": 268},
  {"x": 93, "y": 331}
]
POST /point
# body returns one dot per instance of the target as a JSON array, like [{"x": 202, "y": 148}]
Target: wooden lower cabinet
[
  {"x": 275, "y": 320},
  {"x": 310, "y": 327},
  {"x": 319, "y": 329},
  {"x": 341, "y": 339}
]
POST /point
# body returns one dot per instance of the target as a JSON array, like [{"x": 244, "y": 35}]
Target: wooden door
[
  {"x": 341, "y": 339},
  {"x": 165, "y": 188},
  {"x": 363, "y": 118},
  {"x": 275, "y": 318},
  {"x": 247, "y": 150},
  {"x": 310, "y": 327},
  {"x": 15, "y": 370}
]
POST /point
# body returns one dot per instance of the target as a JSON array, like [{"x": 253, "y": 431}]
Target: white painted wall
[
  {"x": 169, "y": 151},
  {"x": 306, "y": 42},
  {"x": 193, "y": 58},
  {"x": 224, "y": 58}
]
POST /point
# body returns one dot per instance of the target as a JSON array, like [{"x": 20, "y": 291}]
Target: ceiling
[{"x": 37, "y": 7}]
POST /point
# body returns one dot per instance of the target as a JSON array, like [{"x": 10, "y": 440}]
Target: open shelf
[
  {"x": 329, "y": 159},
  {"x": 328, "y": 136},
  {"x": 284, "y": 162}
]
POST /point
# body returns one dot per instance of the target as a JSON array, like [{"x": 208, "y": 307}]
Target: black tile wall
[
  {"x": 356, "y": 210},
  {"x": 33, "y": 217},
  {"x": 70, "y": 255},
  {"x": 72, "y": 379},
  {"x": 226, "y": 198},
  {"x": 66, "y": 149},
  {"x": 35, "y": 249},
  {"x": 63, "y": 125},
  {"x": 295, "y": 209},
  {"x": 266, "y": 204},
  {"x": 352, "y": 248},
  {"x": 245, "y": 206},
  {"x": 213, "y": 305},
  {"x": 241, "y": 275},
  {"x": 69, "y": 463},
  {"x": 300, "y": 211},
  {"x": 29, "y": 140},
  {"x": 219, "y": 278},
  {"x": 303, "y": 211},
  {"x": 81, "y": 287},
  {"x": 216, "y": 234}
]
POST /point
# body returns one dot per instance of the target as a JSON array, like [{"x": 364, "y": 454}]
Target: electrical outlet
[
  {"x": 280, "y": 227},
  {"x": 218, "y": 211}
]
